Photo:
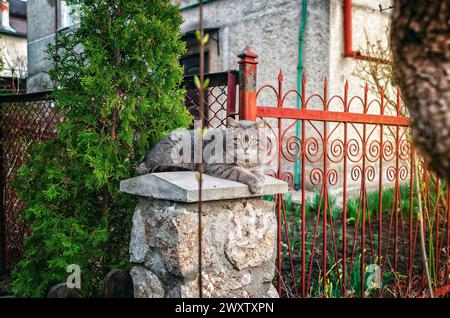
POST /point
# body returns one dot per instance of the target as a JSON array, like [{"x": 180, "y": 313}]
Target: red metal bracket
[{"x": 348, "y": 45}]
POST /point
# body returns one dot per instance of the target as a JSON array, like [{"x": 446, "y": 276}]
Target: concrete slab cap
[{"x": 182, "y": 186}]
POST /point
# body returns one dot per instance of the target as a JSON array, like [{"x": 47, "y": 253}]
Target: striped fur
[{"x": 245, "y": 165}]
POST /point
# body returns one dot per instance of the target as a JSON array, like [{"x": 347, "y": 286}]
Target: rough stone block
[{"x": 238, "y": 238}]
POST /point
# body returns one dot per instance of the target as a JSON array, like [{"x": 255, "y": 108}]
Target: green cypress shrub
[{"x": 117, "y": 82}]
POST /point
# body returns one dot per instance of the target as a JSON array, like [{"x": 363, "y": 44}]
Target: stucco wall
[
  {"x": 369, "y": 24},
  {"x": 41, "y": 32},
  {"x": 271, "y": 29}
]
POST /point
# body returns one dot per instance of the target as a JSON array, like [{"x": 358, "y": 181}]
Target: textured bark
[{"x": 420, "y": 39}]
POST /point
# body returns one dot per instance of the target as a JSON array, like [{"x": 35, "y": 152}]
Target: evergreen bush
[{"x": 117, "y": 82}]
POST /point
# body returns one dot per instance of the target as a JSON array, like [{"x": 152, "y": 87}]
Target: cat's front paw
[
  {"x": 142, "y": 169},
  {"x": 255, "y": 187}
]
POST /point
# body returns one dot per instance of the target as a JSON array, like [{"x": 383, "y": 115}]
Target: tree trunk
[{"x": 420, "y": 39}]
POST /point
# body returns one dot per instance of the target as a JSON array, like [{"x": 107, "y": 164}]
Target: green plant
[
  {"x": 352, "y": 209},
  {"x": 117, "y": 83},
  {"x": 317, "y": 201},
  {"x": 353, "y": 281},
  {"x": 268, "y": 197},
  {"x": 288, "y": 203},
  {"x": 334, "y": 272},
  {"x": 294, "y": 219},
  {"x": 388, "y": 200}
]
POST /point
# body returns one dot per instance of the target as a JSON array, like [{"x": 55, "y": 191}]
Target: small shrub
[{"x": 119, "y": 94}]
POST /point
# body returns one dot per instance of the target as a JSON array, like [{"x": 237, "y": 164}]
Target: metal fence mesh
[{"x": 24, "y": 120}]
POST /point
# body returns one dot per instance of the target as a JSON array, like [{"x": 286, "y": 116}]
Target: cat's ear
[
  {"x": 261, "y": 124},
  {"x": 232, "y": 123}
]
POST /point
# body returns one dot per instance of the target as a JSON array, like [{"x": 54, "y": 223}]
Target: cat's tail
[{"x": 143, "y": 169}]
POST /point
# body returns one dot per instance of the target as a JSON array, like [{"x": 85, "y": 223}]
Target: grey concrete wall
[
  {"x": 369, "y": 24},
  {"x": 40, "y": 33},
  {"x": 270, "y": 27}
]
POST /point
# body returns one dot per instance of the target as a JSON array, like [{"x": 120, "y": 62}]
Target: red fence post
[
  {"x": 247, "y": 84},
  {"x": 231, "y": 93}
]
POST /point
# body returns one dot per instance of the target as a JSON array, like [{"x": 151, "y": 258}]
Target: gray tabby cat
[{"x": 242, "y": 148}]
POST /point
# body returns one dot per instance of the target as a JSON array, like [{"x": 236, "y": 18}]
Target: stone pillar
[{"x": 239, "y": 237}]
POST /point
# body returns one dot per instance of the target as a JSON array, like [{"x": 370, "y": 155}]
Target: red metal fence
[
  {"x": 356, "y": 220},
  {"x": 220, "y": 97}
]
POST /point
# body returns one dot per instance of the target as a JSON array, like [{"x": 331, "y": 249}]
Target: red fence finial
[
  {"x": 247, "y": 84},
  {"x": 247, "y": 52},
  {"x": 280, "y": 76}
]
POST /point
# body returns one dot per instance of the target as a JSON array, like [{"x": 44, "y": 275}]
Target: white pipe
[
  {"x": 64, "y": 16},
  {"x": 224, "y": 50},
  {"x": 4, "y": 16}
]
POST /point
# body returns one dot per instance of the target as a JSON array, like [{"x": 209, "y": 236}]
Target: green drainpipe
[{"x": 299, "y": 85}]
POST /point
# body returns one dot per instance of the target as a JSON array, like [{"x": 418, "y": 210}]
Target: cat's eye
[
  {"x": 253, "y": 141},
  {"x": 237, "y": 140}
]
